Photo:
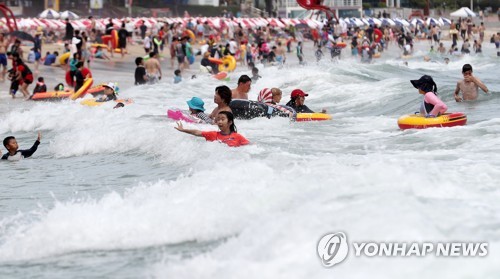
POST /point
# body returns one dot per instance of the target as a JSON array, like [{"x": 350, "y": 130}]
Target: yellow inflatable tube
[
  {"x": 417, "y": 121},
  {"x": 64, "y": 58},
  {"x": 228, "y": 64},
  {"x": 86, "y": 85},
  {"x": 316, "y": 116}
]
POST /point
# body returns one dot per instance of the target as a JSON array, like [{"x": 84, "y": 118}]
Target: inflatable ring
[
  {"x": 106, "y": 39},
  {"x": 220, "y": 75},
  {"x": 98, "y": 89},
  {"x": 114, "y": 38},
  {"x": 177, "y": 114},
  {"x": 342, "y": 44},
  {"x": 64, "y": 58},
  {"x": 315, "y": 116},
  {"x": 70, "y": 82},
  {"x": 376, "y": 55},
  {"x": 119, "y": 50},
  {"x": 92, "y": 102},
  {"x": 228, "y": 64},
  {"x": 50, "y": 96},
  {"x": 245, "y": 109},
  {"x": 86, "y": 85},
  {"x": 100, "y": 45},
  {"x": 417, "y": 121},
  {"x": 189, "y": 34},
  {"x": 215, "y": 60}
]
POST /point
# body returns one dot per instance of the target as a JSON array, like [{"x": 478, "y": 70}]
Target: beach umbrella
[
  {"x": 374, "y": 21},
  {"x": 365, "y": 21},
  {"x": 416, "y": 21},
  {"x": 49, "y": 13},
  {"x": 22, "y": 36},
  {"x": 463, "y": 12},
  {"x": 444, "y": 21},
  {"x": 401, "y": 22},
  {"x": 388, "y": 21},
  {"x": 69, "y": 14},
  {"x": 359, "y": 22},
  {"x": 432, "y": 21}
]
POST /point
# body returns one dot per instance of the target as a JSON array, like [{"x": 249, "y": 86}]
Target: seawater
[{"x": 121, "y": 194}]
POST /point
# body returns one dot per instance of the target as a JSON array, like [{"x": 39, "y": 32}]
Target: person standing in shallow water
[
  {"x": 469, "y": 85},
  {"x": 222, "y": 98}
]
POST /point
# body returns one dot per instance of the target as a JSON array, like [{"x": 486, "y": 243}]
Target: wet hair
[
  {"x": 230, "y": 118},
  {"x": 79, "y": 64},
  {"x": 152, "y": 54},
  {"x": 177, "y": 72},
  {"x": 225, "y": 93},
  {"x": 138, "y": 61},
  {"x": 56, "y": 53},
  {"x": 244, "y": 79},
  {"x": 466, "y": 67},
  {"x": 40, "y": 79},
  {"x": 255, "y": 70},
  {"x": 8, "y": 139}
]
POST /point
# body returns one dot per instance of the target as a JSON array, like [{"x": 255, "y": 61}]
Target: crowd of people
[{"x": 268, "y": 45}]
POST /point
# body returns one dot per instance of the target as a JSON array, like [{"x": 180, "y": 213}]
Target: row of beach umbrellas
[
  {"x": 155, "y": 23},
  {"x": 51, "y": 14}
]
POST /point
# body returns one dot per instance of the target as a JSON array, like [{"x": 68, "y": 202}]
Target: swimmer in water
[
  {"x": 13, "y": 154},
  {"x": 431, "y": 106},
  {"x": 469, "y": 85},
  {"x": 297, "y": 99},
  {"x": 197, "y": 110},
  {"x": 227, "y": 134},
  {"x": 109, "y": 93}
]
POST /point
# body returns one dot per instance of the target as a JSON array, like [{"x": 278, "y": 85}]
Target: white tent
[{"x": 463, "y": 12}]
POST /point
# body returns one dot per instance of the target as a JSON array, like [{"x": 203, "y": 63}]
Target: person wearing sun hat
[
  {"x": 431, "y": 105},
  {"x": 109, "y": 93},
  {"x": 297, "y": 99},
  {"x": 197, "y": 109}
]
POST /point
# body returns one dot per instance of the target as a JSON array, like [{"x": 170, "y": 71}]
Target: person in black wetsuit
[
  {"x": 13, "y": 154},
  {"x": 296, "y": 102},
  {"x": 140, "y": 72}
]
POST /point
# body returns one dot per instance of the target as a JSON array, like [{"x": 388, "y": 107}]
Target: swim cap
[
  {"x": 265, "y": 96},
  {"x": 298, "y": 93}
]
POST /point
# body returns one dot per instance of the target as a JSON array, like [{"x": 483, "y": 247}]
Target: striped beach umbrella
[
  {"x": 69, "y": 14},
  {"x": 49, "y": 13}
]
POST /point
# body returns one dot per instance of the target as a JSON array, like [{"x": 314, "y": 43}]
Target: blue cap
[{"x": 196, "y": 103}]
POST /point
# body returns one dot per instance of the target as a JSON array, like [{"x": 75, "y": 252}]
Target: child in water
[
  {"x": 177, "y": 76},
  {"x": 227, "y": 134},
  {"x": 40, "y": 86},
  {"x": 196, "y": 107},
  {"x": 469, "y": 85},
  {"x": 431, "y": 106},
  {"x": 13, "y": 154}
]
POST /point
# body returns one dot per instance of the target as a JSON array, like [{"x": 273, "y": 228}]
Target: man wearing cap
[
  {"x": 244, "y": 85},
  {"x": 297, "y": 99}
]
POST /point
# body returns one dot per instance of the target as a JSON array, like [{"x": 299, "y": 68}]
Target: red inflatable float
[{"x": 70, "y": 82}]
